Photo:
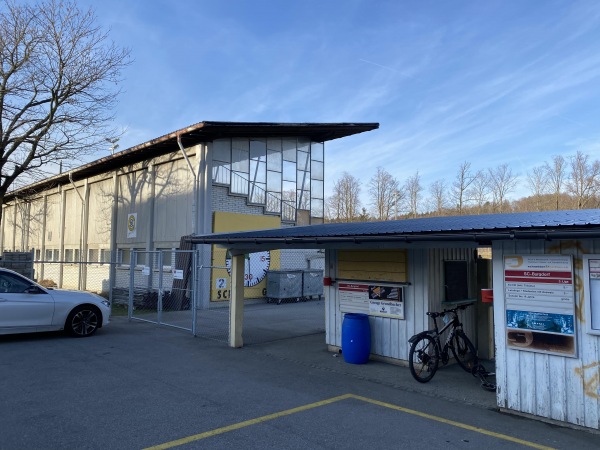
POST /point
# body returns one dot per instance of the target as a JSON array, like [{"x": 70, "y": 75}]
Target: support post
[{"x": 236, "y": 310}]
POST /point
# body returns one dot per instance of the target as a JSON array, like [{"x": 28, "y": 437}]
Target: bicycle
[{"x": 426, "y": 348}]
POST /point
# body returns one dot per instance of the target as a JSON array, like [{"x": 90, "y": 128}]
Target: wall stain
[
  {"x": 564, "y": 246},
  {"x": 591, "y": 384}
]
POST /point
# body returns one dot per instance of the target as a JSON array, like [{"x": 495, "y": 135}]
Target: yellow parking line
[
  {"x": 247, "y": 423},
  {"x": 453, "y": 423},
  {"x": 287, "y": 412}
]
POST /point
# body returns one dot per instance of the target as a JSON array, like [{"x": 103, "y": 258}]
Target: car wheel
[{"x": 83, "y": 321}]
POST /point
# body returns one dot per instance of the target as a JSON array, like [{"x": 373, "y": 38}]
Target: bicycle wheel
[
  {"x": 423, "y": 359},
  {"x": 464, "y": 352}
]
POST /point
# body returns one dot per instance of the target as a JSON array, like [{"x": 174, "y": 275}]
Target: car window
[{"x": 13, "y": 284}]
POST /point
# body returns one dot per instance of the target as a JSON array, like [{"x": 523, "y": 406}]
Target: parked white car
[{"x": 27, "y": 307}]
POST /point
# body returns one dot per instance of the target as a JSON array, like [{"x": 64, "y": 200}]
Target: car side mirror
[{"x": 33, "y": 290}]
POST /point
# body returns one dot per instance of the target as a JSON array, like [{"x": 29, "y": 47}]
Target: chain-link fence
[
  {"x": 161, "y": 288},
  {"x": 283, "y": 290}
]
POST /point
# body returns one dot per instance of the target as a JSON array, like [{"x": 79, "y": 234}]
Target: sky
[{"x": 487, "y": 82}]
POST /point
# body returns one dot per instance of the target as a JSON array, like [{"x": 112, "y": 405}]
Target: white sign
[
  {"x": 221, "y": 283},
  {"x": 131, "y": 225},
  {"x": 177, "y": 274},
  {"x": 385, "y": 300}
]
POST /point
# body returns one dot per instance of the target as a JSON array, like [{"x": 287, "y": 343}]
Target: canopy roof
[{"x": 476, "y": 230}]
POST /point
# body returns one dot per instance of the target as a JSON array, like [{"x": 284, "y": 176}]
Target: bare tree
[
  {"x": 460, "y": 187},
  {"x": 556, "y": 173},
  {"x": 438, "y": 192},
  {"x": 479, "y": 190},
  {"x": 344, "y": 205},
  {"x": 537, "y": 179},
  {"x": 413, "y": 189},
  {"x": 57, "y": 88},
  {"x": 584, "y": 179},
  {"x": 383, "y": 188},
  {"x": 502, "y": 182}
]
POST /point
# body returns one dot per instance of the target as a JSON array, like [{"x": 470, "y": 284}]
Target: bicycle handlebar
[{"x": 451, "y": 310}]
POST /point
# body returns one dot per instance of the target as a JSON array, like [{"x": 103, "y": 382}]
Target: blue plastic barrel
[{"x": 356, "y": 338}]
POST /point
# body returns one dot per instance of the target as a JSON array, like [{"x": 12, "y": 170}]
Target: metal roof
[
  {"x": 479, "y": 230},
  {"x": 196, "y": 134}
]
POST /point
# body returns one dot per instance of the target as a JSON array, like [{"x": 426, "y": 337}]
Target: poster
[
  {"x": 540, "y": 303},
  {"x": 131, "y": 225},
  {"x": 591, "y": 269},
  {"x": 384, "y": 300}
]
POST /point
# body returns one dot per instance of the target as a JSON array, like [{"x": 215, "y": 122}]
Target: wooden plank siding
[
  {"x": 551, "y": 386},
  {"x": 372, "y": 265}
]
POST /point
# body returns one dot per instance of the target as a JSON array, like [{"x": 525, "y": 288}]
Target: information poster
[
  {"x": 540, "y": 303},
  {"x": 385, "y": 300},
  {"x": 592, "y": 292}
]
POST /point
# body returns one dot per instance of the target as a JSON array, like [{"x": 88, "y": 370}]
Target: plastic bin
[{"x": 356, "y": 338}]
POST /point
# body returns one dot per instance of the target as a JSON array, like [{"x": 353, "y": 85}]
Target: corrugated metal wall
[{"x": 555, "y": 387}]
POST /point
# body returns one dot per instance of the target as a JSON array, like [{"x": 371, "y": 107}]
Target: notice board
[{"x": 540, "y": 303}]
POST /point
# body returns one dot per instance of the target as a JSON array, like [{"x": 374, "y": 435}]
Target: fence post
[{"x": 131, "y": 283}]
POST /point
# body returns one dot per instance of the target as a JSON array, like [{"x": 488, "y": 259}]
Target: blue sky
[{"x": 489, "y": 82}]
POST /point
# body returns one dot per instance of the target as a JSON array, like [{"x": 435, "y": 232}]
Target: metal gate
[
  {"x": 213, "y": 303},
  {"x": 161, "y": 288}
]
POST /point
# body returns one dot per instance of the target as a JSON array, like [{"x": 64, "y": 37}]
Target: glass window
[
  {"x": 55, "y": 255},
  {"x": 316, "y": 208},
  {"x": 48, "y": 255},
  {"x": 303, "y": 180},
  {"x": 104, "y": 255},
  {"x": 167, "y": 256},
  {"x": 317, "y": 151},
  {"x": 76, "y": 254},
  {"x": 68, "y": 255},
  {"x": 240, "y": 156},
  {"x": 303, "y": 145},
  {"x": 38, "y": 254},
  {"x": 258, "y": 171},
  {"x": 316, "y": 170},
  {"x": 221, "y": 173},
  {"x": 273, "y": 203},
  {"x": 274, "y": 181},
  {"x": 222, "y": 150},
  {"x": 303, "y": 199},
  {"x": 274, "y": 160},
  {"x": 258, "y": 149},
  {"x": 257, "y": 193},
  {"x": 289, "y": 149},
  {"x": 13, "y": 284},
  {"x": 316, "y": 189},
  {"x": 141, "y": 257},
  {"x": 93, "y": 255},
  {"x": 289, "y": 171},
  {"x": 303, "y": 161},
  {"x": 124, "y": 255}
]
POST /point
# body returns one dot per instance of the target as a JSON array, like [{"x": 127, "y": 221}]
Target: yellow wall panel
[
  {"x": 230, "y": 222},
  {"x": 380, "y": 265}
]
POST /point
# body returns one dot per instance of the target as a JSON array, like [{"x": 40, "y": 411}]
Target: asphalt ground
[{"x": 135, "y": 385}]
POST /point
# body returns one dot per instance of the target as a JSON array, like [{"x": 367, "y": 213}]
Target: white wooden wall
[
  {"x": 389, "y": 337},
  {"x": 555, "y": 387}
]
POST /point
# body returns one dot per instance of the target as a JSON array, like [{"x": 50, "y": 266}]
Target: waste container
[
  {"x": 356, "y": 338},
  {"x": 312, "y": 283},
  {"x": 284, "y": 284}
]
